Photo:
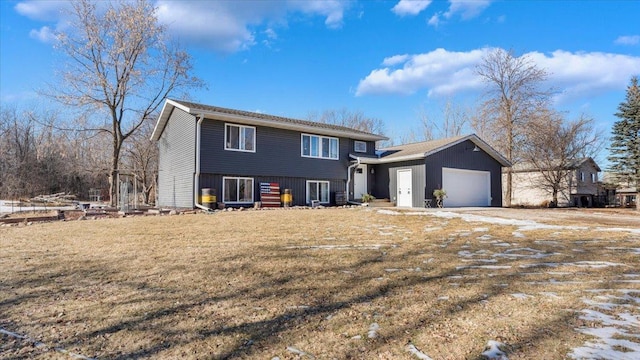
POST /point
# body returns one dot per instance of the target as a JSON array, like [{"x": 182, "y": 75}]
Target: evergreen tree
[{"x": 625, "y": 142}]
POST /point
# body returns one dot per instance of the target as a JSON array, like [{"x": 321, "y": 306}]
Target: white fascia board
[
  {"x": 166, "y": 111},
  {"x": 372, "y": 161}
]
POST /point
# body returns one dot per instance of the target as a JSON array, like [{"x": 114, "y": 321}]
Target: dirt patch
[{"x": 324, "y": 284}]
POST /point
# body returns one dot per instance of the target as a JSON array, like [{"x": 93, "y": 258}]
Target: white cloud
[
  {"x": 395, "y": 60},
  {"x": 628, "y": 40},
  {"x": 410, "y": 7},
  {"x": 442, "y": 72},
  {"x": 228, "y": 26},
  {"x": 42, "y": 10},
  {"x": 224, "y": 26},
  {"x": 45, "y": 34},
  {"x": 467, "y": 9}
]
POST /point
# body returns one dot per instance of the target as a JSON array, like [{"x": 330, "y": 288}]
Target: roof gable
[
  {"x": 251, "y": 118},
  {"x": 421, "y": 150}
]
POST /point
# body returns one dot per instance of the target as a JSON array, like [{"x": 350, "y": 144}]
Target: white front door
[
  {"x": 404, "y": 188},
  {"x": 360, "y": 182}
]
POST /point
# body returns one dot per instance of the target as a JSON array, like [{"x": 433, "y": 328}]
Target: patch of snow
[
  {"x": 485, "y": 237},
  {"x": 489, "y": 267},
  {"x": 340, "y": 247},
  {"x": 417, "y": 353},
  {"x": 529, "y": 253},
  {"x": 481, "y": 229},
  {"x": 480, "y": 260},
  {"x": 429, "y": 229},
  {"x": 550, "y": 294},
  {"x": 373, "y": 330},
  {"x": 595, "y": 264},
  {"x": 518, "y": 234},
  {"x": 299, "y": 352},
  {"x": 388, "y": 212},
  {"x": 493, "y": 351},
  {"x": 502, "y": 244},
  {"x": 630, "y": 230},
  {"x": 617, "y": 336},
  {"x": 391, "y": 270},
  {"x": 521, "y": 296},
  {"x": 524, "y": 225},
  {"x": 632, "y": 250}
]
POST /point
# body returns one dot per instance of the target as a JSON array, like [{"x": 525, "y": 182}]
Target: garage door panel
[{"x": 466, "y": 187}]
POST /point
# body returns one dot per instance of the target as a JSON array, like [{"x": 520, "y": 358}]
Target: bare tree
[
  {"x": 554, "y": 148},
  {"x": 513, "y": 96},
  {"x": 120, "y": 68},
  {"x": 352, "y": 119},
  {"x": 455, "y": 120}
]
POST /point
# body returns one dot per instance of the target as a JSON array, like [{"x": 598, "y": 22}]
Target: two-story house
[
  {"x": 237, "y": 154},
  {"x": 579, "y": 187}
]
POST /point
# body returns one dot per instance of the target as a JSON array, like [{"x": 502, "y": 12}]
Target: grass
[{"x": 301, "y": 284}]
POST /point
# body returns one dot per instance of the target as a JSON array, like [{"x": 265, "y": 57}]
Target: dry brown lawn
[{"x": 302, "y": 284}]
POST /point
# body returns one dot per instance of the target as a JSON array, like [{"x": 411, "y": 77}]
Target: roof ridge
[{"x": 201, "y": 106}]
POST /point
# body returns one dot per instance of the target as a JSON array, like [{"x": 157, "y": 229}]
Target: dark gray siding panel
[
  {"x": 176, "y": 164},
  {"x": 278, "y": 153},
  {"x": 461, "y": 156},
  {"x": 297, "y": 186},
  {"x": 385, "y": 185}
]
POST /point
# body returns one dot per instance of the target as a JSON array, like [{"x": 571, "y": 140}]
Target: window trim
[
  {"x": 319, "y": 142},
  {"x": 318, "y": 182},
  {"x": 224, "y": 179},
  {"x": 593, "y": 178},
  {"x": 355, "y": 146},
  {"x": 581, "y": 176},
  {"x": 240, "y": 135}
]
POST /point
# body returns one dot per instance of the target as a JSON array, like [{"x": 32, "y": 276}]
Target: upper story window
[
  {"x": 593, "y": 178},
  {"x": 322, "y": 147},
  {"x": 239, "y": 138},
  {"x": 582, "y": 176},
  {"x": 360, "y": 146}
]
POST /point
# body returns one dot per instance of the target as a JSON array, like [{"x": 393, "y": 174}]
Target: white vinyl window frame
[
  {"x": 319, "y": 147},
  {"x": 360, "y": 146},
  {"x": 593, "y": 178},
  {"x": 244, "y": 140},
  {"x": 318, "y": 190},
  {"x": 237, "y": 195}
]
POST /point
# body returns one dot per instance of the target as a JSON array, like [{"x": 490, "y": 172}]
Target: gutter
[
  {"x": 196, "y": 185},
  {"x": 351, "y": 167}
]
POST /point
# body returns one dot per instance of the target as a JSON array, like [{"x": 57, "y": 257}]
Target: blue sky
[{"x": 392, "y": 60}]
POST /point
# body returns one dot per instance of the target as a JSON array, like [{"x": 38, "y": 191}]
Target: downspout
[
  {"x": 351, "y": 167},
  {"x": 196, "y": 187}
]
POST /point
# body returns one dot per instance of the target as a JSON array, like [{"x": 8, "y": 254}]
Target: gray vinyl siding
[
  {"x": 386, "y": 181},
  {"x": 296, "y": 185},
  {"x": 461, "y": 156},
  {"x": 176, "y": 161},
  {"x": 277, "y": 154}
]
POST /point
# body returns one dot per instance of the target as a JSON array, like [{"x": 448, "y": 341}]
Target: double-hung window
[
  {"x": 318, "y": 191},
  {"x": 322, "y": 147},
  {"x": 239, "y": 138},
  {"x": 237, "y": 190}
]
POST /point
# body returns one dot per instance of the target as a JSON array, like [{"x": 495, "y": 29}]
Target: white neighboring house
[{"x": 579, "y": 188}]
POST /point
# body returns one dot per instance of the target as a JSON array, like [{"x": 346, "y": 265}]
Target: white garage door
[{"x": 466, "y": 187}]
